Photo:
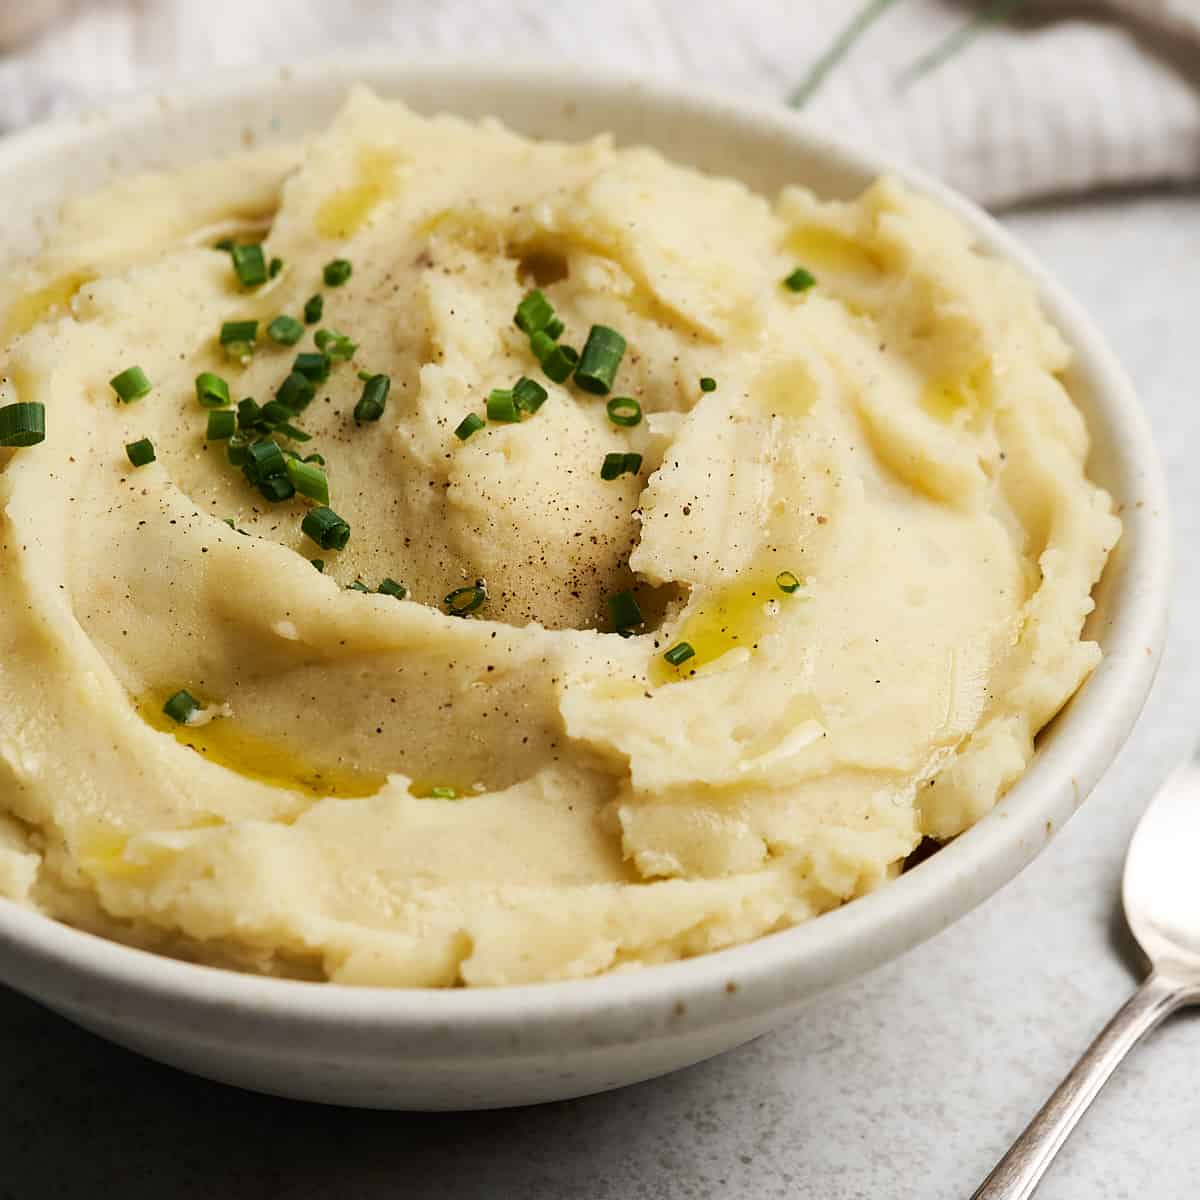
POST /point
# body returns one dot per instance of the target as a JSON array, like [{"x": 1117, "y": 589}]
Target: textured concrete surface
[{"x": 907, "y": 1084}]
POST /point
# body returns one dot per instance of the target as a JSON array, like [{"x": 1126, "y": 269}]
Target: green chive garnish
[
  {"x": 319, "y": 563},
  {"x": 309, "y": 480},
  {"x": 799, "y": 280},
  {"x": 389, "y": 587},
  {"x": 211, "y": 390},
  {"x": 312, "y": 366},
  {"x": 23, "y": 424},
  {"x": 528, "y": 395},
  {"x": 616, "y": 465},
  {"x": 314, "y": 306},
  {"x": 296, "y": 392},
  {"x": 285, "y": 330},
  {"x": 326, "y": 528},
  {"x": 625, "y": 614},
  {"x": 319, "y": 459},
  {"x": 238, "y": 338},
  {"x": 534, "y": 313},
  {"x": 602, "y": 353},
  {"x": 238, "y": 450},
  {"x": 130, "y": 384},
  {"x": 542, "y": 345},
  {"x": 249, "y": 264},
  {"x": 222, "y": 424},
  {"x": 266, "y": 467},
  {"x": 336, "y": 345},
  {"x": 788, "y": 581},
  {"x": 679, "y": 653},
  {"x": 554, "y": 329},
  {"x": 471, "y": 423},
  {"x": 708, "y": 383},
  {"x": 373, "y": 400},
  {"x": 501, "y": 406},
  {"x": 140, "y": 452},
  {"x": 560, "y": 362},
  {"x": 181, "y": 707},
  {"x": 337, "y": 272},
  {"x": 357, "y": 586},
  {"x": 443, "y": 793},
  {"x": 274, "y": 267},
  {"x": 466, "y": 600},
  {"x": 623, "y": 410},
  {"x": 226, "y": 244}
]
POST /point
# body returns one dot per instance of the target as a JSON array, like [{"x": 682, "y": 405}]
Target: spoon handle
[{"x": 1016, "y": 1175}]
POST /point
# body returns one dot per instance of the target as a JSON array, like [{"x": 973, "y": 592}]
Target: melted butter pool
[
  {"x": 53, "y": 299},
  {"x": 261, "y": 759},
  {"x": 345, "y": 211}
]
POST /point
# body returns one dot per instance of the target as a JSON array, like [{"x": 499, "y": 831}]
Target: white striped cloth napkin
[{"x": 1072, "y": 97}]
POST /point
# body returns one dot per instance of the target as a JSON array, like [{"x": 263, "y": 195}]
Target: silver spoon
[{"x": 1161, "y": 895}]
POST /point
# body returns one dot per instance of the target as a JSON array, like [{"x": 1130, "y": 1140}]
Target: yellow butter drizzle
[
  {"x": 264, "y": 760},
  {"x": 732, "y": 618},
  {"x": 346, "y": 210},
  {"x": 52, "y": 299}
]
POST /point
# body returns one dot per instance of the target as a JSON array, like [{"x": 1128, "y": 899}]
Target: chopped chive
[
  {"x": 249, "y": 264},
  {"x": 560, "y": 362},
  {"x": 679, "y": 653},
  {"x": 140, "y": 452},
  {"x": 326, "y": 528},
  {"x": 501, "y": 406},
  {"x": 542, "y": 345},
  {"x": 365, "y": 375},
  {"x": 296, "y": 392},
  {"x": 466, "y": 600},
  {"x": 265, "y": 459},
  {"x": 211, "y": 390},
  {"x": 443, "y": 793},
  {"x": 616, "y": 465},
  {"x": 226, "y": 244},
  {"x": 337, "y": 272},
  {"x": 235, "y": 333},
  {"x": 602, "y": 353},
  {"x": 182, "y": 706},
  {"x": 471, "y": 423},
  {"x": 319, "y": 459},
  {"x": 624, "y": 411},
  {"x": 708, "y": 383},
  {"x": 528, "y": 395},
  {"x": 799, "y": 280},
  {"x": 788, "y": 581},
  {"x": 309, "y": 480},
  {"x": 222, "y": 424},
  {"x": 23, "y": 424},
  {"x": 389, "y": 587},
  {"x": 319, "y": 563},
  {"x": 249, "y": 414},
  {"x": 625, "y": 614},
  {"x": 285, "y": 330},
  {"x": 238, "y": 450},
  {"x": 534, "y": 313},
  {"x": 336, "y": 345},
  {"x": 230, "y": 522},
  {"x": 357, "y": 586},
  {"x": 276, "y": 488},
  {"x": 312, "y": 366},
  {"x": 130, "y": 384},
  {"x": 274, "y": 267},
  {"x": 554, "y": 329},
  {"x": 314, "y": 306},
  {"x": 373, "y": 400}
]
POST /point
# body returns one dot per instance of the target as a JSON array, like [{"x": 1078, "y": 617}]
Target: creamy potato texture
[{"x": 896, "y": 436}]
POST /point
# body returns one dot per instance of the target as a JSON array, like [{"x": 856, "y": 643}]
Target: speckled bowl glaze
[{"x": 488, "y": 1048}]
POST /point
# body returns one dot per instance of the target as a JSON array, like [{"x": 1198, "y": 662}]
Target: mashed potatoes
[{"x": 800, "y": 620}]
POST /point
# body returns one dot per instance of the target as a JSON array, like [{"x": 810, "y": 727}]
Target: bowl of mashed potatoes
[{"x": 512, "y": 581}]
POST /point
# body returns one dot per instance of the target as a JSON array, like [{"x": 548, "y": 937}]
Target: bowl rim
[{"x": 54, "y": 959}]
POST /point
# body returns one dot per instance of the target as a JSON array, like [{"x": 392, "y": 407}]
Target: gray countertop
[{"x": 907, "y": 1084}]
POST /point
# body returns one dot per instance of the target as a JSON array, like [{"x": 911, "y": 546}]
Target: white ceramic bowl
[{"x": 482, "y": 1048}]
